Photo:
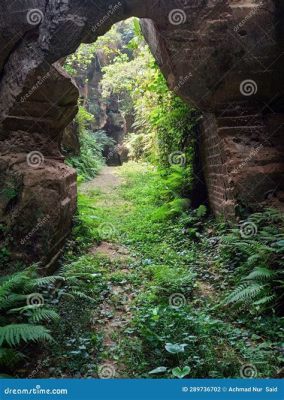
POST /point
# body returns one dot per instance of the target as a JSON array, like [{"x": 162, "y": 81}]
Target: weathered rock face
[
  {"x": 224, "y": 57},
  {"x": 106, "y": 111}
]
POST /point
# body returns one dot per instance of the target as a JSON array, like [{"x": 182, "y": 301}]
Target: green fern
[
  {"x": 18, "y": 322},
  {"x": 10, "y": 357},
  {"x": 42, "y": 281},
  {"x": 260, "y": 274},
  {"x": 43, "y": 314},
  {"x": 265, "y": 300},
  {"x": 245, "y": 293},
  {"x": 82, "y": 295},
  {"x": 260, "y": 262},
  {"x": 11, "y": 300},
  {"x": 14, "y": 334},
  {"x": 11, "y": 283}
]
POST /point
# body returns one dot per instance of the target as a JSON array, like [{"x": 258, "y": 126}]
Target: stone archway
[{"x": 226, "y": 58}]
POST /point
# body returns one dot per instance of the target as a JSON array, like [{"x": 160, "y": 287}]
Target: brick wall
[
  {"x": 214, "y": 168},
  {"x": 242, "y": 156}
]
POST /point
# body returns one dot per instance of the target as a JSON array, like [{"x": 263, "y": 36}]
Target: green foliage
[
  {"x": 163, "y": 119},
  {"x": 168, "y": 280},
  {"x": 90, "y": 160},
  {"x": 41, "y": 314},
  {"x": 176, "y": 252},
  {"x": 107, "y": 44},
  {"x": 197, "y": 336},
  {"x": 259, "y": 262},
  {"x": 14, "y": 334},
  {"x": 92, "y": 144},
  {"x": 83, "y": 233},
  {"x": 10, "y": 357},
  {"x": 83, "y": 119},
  {"x": 163, "y": 124},
  {"x": 19, "y": 319}
]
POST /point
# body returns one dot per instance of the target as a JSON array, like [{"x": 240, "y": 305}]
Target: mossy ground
[{"x": 158, "y": 292}]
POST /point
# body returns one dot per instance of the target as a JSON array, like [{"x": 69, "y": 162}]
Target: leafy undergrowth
[
  {"x": 184, "y": 322},
  {"x": 203, "y": 298}
]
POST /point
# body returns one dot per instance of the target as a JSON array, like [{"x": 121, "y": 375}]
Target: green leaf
[
  {"x": 180, "y": 373},
  {"x": 15, "y": 333},
  {"x": 175, "y": 348},
  {"x": 159, "y": 370}
]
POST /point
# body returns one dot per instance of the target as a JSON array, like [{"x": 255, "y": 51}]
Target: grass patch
[{"x": 184, "y": 268}]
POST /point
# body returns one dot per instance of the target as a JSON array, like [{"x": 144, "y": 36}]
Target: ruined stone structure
[{"x": 226, "y": 57}]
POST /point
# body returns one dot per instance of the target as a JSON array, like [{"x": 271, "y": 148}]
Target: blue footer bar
[{"x": 141, "y": 389}]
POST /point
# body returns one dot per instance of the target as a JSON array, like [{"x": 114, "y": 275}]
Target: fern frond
[
  {"x": 245, "y": 293},
  {"x": 22, "y": 309},
  {"x": 261, "y": 274},
  {"x": 253, "y": 259},
  {"x": 82, "y": 296},
  {"x": 15, "y": 333},
  {"x": 42, "y": 314},
  {"x": 42, "y": 281},
  {"x": 6, "y": 302},
  {"x": 7, "y": 285},
  {"x": 265, "y": 300},
  {"x": 9, "y": 357}
]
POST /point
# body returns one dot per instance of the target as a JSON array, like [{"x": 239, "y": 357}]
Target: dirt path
[
  {"x": 114, "y": 313},
  {"x": 106, "y": 181}
]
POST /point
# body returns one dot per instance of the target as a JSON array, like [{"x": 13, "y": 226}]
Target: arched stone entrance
[{"x": 226, "y": 58}]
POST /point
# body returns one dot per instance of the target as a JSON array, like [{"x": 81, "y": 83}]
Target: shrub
[
  {"x": 22, "y": 312},
  {"x": 259, "y": 262}
]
